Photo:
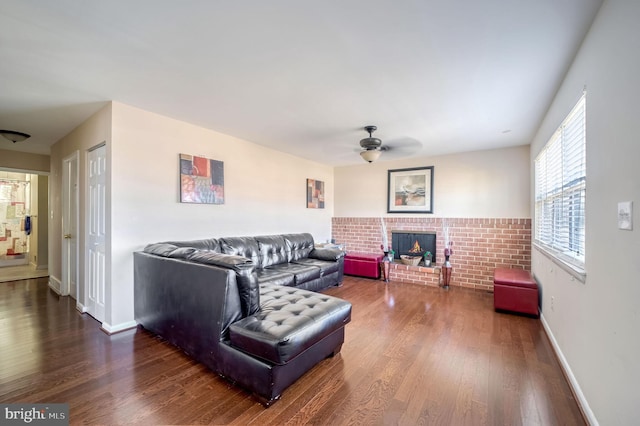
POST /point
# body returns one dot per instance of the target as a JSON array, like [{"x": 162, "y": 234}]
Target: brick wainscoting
[{"x": 479, "y": 246}]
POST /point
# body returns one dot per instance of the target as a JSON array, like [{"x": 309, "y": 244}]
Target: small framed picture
[
  {"x": 201, "y": 180},
  {"x": 410, "y": 190},
  {"x": 315, "y": 194}
]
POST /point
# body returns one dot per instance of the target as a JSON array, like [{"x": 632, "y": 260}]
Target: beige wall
[
  {"x": 482, "y": 184},
  {"x": 264, "y": 189},
  {"x": 94, "y": 131},
  {"x": 595, "y": 324},
  {"x": 24, "y": 161}
]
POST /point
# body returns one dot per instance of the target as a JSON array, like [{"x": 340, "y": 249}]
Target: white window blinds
[{"x": 560, "y": 189}]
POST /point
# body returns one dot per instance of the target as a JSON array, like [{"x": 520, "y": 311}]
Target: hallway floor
[{"x": 21, "y": 272}]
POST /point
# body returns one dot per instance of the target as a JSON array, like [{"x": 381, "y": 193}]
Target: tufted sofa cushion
[
  {"x": 301, "y": 273},
  {"x": 273, "y": 250},
  {"x": 298, "y": 246},
  {"x": 325, "y": 267},
  {"x": 290, "y": 321},
  {"x": 242, "y": 246}
]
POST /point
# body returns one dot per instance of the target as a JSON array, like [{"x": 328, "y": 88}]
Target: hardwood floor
[{"x": 412, "y": 355}]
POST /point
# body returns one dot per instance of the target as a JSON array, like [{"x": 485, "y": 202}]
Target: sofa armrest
[
  {"x": 237, "y": 263},
  {"x": 326, "y": 254},
  {"x": 189, "y": 304}
]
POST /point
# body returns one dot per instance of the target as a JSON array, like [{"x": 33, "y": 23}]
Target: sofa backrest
[
  {"x": 263, "y": 251},
  {"x": 211, "y": 244},
  {"x": 273, "y": 250},
  {"x": 267, "y": 250},
  {"x": 241, "y": 246},
  {"x": 298, "y": 246}
]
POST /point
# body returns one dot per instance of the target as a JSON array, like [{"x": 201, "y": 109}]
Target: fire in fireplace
[
  {"x": 413, "y": 243},
  {"x": 416, "y": 249}
]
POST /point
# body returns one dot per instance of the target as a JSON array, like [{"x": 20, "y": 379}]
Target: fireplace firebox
[{"x": 413, "y": 243}]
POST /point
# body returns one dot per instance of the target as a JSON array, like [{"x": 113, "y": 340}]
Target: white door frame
[
  {"x": 95, "y": 235},
  {"x": 70, "y": 228}
]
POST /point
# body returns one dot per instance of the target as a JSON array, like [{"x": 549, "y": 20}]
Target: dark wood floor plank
[{"x": 412, "y": 355}]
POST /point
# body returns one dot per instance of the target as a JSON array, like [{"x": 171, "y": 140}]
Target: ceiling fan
[{"x": 371, "y": 147}]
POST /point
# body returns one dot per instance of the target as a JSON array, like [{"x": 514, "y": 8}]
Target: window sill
[{"x": 578, "y": 273}]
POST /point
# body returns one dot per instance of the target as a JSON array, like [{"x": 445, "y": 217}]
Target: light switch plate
[{"x": 625, "y": 215}]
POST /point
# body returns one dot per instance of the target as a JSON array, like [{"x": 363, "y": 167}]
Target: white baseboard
[
  {"x": 81, "y": 308},
  {"x": 575, "y": 386},
  {"x": 111, "y": 329},
  {"x": 55, "y": 284},
  {"x": 37, "y": 267}
]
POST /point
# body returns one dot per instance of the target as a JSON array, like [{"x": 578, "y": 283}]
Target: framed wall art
[
  {"x": 315, "y": 194},
  {"x": 201, "y": 180},
  {"x": 410, "y": 190}
]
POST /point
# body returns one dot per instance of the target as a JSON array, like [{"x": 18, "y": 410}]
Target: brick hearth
[
  {"x": 479, "y": 246},
  {"x": 414, "y": 274}
]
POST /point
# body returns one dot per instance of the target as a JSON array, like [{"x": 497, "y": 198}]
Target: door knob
[{"x": 67, "y": 236}]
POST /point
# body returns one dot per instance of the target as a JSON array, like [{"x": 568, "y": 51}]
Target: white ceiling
[{"x": 303, "y": 77}]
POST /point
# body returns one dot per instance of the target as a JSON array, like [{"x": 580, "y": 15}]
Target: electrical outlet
[{"x": 552, "y": 299}]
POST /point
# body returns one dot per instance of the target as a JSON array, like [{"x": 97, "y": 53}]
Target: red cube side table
[
  {"x": 515, "y": 290},
  {"x": 362, "y": 264}
]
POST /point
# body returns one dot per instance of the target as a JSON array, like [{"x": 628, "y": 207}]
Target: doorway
[{"x": 24, "y": 206}]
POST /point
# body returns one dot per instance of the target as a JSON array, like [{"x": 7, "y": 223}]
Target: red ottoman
[
  {"x": 362, "y": 264},
  {"x": 515, "y": 290}
]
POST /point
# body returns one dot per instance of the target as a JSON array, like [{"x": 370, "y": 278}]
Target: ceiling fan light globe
[
  {"x": 14, "y": 136},
  {"x": 370, "y": 155}
]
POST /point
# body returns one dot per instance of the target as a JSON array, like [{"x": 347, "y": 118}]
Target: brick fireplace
[{"x": 479, "y": 246}]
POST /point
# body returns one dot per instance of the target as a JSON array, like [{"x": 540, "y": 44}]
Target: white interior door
[
  {"x": 96, "y": 235},
  {"x": 69, "y": 285}
]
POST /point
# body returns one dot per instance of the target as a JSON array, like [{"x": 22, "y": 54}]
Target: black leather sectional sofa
[{"x": 243, "y": 306}]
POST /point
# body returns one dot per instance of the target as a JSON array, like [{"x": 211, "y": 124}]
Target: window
[{"x": 560, "y": 190}]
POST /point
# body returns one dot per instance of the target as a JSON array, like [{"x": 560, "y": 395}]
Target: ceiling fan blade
[{"x": 399, "y": 148}]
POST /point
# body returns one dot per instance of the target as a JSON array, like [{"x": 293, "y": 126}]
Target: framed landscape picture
[
  {"x": 315, "y": 194},
  {"x": 201, "y": 180},
  {"x": 410, "y": 190}
]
